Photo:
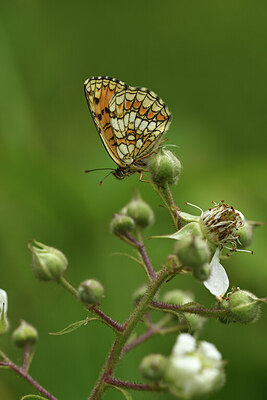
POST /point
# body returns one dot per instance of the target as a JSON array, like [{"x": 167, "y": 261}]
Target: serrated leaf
[
  {"x": 72, "y": 327},
  {"x": 124, "y": 392},
  {"x": 33, "y": 396}
]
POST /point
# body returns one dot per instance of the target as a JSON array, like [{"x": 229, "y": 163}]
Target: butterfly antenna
[
  {"x": 100, "y": 183},
  {"x": 101, "y": 169}
]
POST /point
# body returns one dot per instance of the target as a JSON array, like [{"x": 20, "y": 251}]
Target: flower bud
[
  {"x": 203, "y": 272},
  {"x": 24, "y": 334},
  {"x": 165, "y": 168},
  {"x": 178, "y": 297},
  {"x": 91, "y": 292},
  {"x": 152, "y": 367},
  {"x": 220, "y": 223},
  {"x": 193, "y": 251},
  {"x": 245, "y": 235},
  {"x": 225, "y": 318},
  {"x": 48, "y": 263},
  {"x": 195, "y": 322},
  {"x": 140, "y": 212},
  {"x": 3, "y": 312},
  {"x": 244, "y": 306},
  {"x": 139, "y": 293},
  {"x": 121, "y": 224}
]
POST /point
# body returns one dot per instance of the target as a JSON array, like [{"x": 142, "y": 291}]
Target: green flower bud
[
  {"x": 91, "y": 292},
  {"x": 178, "y": 297},
  {"x": 48, "y": 263},
  {"x": 24, "y": 334},
  {"x": 202, "y": 273},
  {"x": 244, "y": 306},
  {"x": 195, "y": 322},
  {"x": 140, "y": 212},
  {"x": 193, "y": 251},
  {"x": 225, "y": 318},
  {"x": 121, "y": 224},
  {"x": 152, "y": 367},
  {"x": 165, "y": 168},
  {"x": 4, "y": 325},
  {"x": 139, "y": 293},
  {"x": 245, "y": 235}
]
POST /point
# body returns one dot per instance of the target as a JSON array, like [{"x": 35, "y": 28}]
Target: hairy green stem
[{"x": 122, "y": 338}]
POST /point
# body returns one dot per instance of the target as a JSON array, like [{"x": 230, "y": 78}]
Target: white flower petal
[
  {"x": 210, "y": 351},
  {"x": 218, "y": 281},
  {"x": 3, "y": 300},
  {"x": 185, "y": 343},
  {"x": 186, "y": 366}
]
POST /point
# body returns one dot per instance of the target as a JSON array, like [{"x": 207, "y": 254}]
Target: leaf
[
  {"x": 72, "y": 327},
  {"x": 124, "y": 392},
  {"x": 33, "y": 396}
]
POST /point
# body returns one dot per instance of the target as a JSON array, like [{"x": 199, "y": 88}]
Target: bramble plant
[{"x": 194, "y": 367}]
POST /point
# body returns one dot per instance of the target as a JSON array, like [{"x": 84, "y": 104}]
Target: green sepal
[
  {"x": 33, "y": 396},
  {"x": 124, "y": 392},
  {"x": 72, "y": 327},
  {"x": 190, "y": 229},
  {"x": 188, "y": 217}
]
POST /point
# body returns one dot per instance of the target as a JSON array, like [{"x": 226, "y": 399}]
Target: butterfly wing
[
  {"x": 130, "y": 121},
  {"x": 98, "y": 92},
  {"x": 139, "y": 118}
]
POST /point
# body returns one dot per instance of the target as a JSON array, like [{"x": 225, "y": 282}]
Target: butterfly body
[{"x": 130, "y": 121}]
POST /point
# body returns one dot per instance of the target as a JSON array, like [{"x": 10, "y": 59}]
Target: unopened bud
[
  {"x": 24, "y": 334},
  {"x": 244, "y": 306},
  {"x": 48, "y": 263},
  {"x": 140, "y": 212},
  {"x": 203, "y": 272},
  {"x": 165, "y": 168},
  {"x": 245, "y": 235},
  {"x": 91, "y": 292},
  {"x": 121, "y": 224},
  {"x": 139, "y": 293},
  {"x": 178, "y": 297},
  {"x": 152, "y": 367},
  {"x": 193, "y": 251}
]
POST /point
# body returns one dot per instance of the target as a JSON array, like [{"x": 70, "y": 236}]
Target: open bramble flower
[
  {"x": 221, "y": 223},
  {"x": 219, "y": 227},
  {"x": 194, "y": 368}
]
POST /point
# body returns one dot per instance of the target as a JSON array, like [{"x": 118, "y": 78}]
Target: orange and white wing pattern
[{"x": 131, "y": 121}]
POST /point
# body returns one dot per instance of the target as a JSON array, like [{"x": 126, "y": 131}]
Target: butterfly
[{"x": 130, "y": 121}]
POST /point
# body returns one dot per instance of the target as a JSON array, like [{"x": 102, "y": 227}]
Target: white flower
[
  {"x": 194, "y": 368},
  {"x": 218, "y": 281},
  {"x": 3, "y": 312}
]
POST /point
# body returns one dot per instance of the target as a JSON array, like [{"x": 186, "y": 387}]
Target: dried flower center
[{"x": 220, "y": 224}]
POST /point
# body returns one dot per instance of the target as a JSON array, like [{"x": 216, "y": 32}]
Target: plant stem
[
  {"x": 208, "y": 312},
  {"x": 93, "y": 309},
  {"x": 122, "y": 338},
  {"x": 142, "y": 250},
  {"x": 24, "y": 374},
  {"x": 134, "y": 386}
]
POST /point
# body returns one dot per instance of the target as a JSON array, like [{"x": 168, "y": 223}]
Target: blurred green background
[{"x": 207, "y": 60}]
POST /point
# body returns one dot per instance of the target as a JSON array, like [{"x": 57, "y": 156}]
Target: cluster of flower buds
[
  {"x": 193, "y": 368},
  {"x": 135, "y": 215}
]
